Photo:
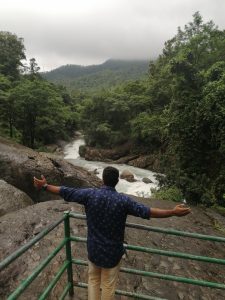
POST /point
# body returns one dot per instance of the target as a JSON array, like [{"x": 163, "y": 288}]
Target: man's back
[{"x": 106, "y": 212}]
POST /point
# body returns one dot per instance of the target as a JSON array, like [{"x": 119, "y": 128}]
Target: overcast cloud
[{"x": 58, "y": 32}]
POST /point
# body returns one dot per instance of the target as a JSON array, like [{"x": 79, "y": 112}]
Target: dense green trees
[
  {"x": 106, "y": 117},
  {"x": 195, "y": 57},
  {"x": 96, "y": 77},
  {"x": 40, "y": 112},
  {"x": 178, "y": 112},
  {"x": 12, "y": 51},
  {"x": 32, "y": 110}
]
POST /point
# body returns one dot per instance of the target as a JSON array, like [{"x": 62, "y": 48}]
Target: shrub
[{"x": 168, "y": 193}]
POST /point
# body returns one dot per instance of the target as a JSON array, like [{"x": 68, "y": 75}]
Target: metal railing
[{"x": 69, "y": 261}]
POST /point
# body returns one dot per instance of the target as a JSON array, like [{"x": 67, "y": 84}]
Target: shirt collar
[{"x": 106, "y": 187}]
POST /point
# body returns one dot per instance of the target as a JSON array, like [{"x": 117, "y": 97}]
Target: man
[{"x": 106, "y": 212}]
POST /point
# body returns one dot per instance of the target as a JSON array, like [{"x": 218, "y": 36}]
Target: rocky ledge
[
  {"x": 123, "y": 154},
  {"x": 19, "y": 164},
  {"x": 12, "y": 199},
  {"x": 19, "y": 227}
]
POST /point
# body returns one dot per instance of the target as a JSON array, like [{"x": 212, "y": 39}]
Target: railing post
[{"x": 68, "y": 252}]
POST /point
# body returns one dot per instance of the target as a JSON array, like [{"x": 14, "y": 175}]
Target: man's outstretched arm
[
  {"x": 67, "y": 193},
  {"x": 178, "y": 211},
  {"x": 42, "y": 183}
]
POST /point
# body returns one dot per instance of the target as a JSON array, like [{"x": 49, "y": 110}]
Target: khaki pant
[{"x": 104, "y": 278}]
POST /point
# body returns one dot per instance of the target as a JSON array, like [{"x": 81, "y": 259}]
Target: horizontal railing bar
[
  {"x": 123, "y": 293},
  {"x": 162, "y": 230},
  {"x": 66, "y": 290},
  {"x": 163, "y": 276},
  {"x": 46, "y": 292},
  {"x": 176, "y": 278},
  {"x": 35, "y": 273},
  {"x": 9, "y": 259},
  {"x": 77, "y": 216},
  {"x": 163, "y": 252},
  {"x": 178, "y": 232},
  {"x": 176, "y": 254}
]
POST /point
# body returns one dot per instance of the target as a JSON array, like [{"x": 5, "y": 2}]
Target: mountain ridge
[{"x": 92, "y": 77}]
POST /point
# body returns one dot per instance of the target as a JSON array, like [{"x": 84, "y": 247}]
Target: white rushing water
[{"x": 138, "y": 188}]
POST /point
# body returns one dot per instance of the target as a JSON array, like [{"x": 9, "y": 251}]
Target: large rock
[
  {"x": 124, "y": 154},
  {"x": 151, "y": 162},
  {"x": 106, "y": 155},
  {"x": 146, "y": 180},
  {"x": 12, "y": 199},
  {"x": 19, "y": 164},
  {"x": 19, "y": 227},
  {"x": 127, "y": 175}
]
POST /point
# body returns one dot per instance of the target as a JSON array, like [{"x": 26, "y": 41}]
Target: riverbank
[
  {"x": 124, "y": 154},
  {"x": 143, "y": 180}
]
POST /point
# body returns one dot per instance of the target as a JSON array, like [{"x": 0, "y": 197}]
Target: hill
[{"x": 94, "y": 77}]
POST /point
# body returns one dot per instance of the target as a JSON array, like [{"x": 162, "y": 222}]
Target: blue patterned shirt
[{"x": 106, "y": 211}]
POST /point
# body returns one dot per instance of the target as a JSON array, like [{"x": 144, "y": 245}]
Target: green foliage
[
  {"x": 32, "y": 110},
  {"x": 168, "y": 193},
  {"x": 220, "y": 209},
  {"x": 147, "y": 129},
  {"x": 97, "y": 77},
  {"x": 11, "y": 54},
  {"x": 40, "y": 113},
  {"x": 106, "y": 116},
  {"x": 178, "y": 113}
]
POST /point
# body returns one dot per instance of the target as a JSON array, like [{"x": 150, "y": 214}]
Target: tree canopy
[
  {"x": 33, "y": 111},
  {"x": 177, "y": 113},
  {"x": 12, "y": 51}
]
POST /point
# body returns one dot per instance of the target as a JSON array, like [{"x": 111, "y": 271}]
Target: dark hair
[{"x": 110, "y": 176}]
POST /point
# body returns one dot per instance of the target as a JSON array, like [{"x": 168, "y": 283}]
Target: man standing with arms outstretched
[{"x": 106, "y": 211}]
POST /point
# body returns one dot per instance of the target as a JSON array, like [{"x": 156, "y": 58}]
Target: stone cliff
[{"x": 124, "y": 154}]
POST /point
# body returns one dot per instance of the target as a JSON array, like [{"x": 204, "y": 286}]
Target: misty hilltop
[{"x": 94, "y": 77}]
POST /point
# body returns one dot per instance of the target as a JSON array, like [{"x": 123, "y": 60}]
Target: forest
[
  {"x": 177, "y": 112},
  {"x": 96, "y": 77}
]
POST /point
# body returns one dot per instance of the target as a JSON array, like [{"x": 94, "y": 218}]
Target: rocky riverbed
[{"x": 124, "y": 154}]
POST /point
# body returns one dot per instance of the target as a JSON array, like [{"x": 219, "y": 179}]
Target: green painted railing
[{"x": 67, "y": 265}]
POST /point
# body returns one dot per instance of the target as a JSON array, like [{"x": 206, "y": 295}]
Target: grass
[{"x": 219, "y": 209}]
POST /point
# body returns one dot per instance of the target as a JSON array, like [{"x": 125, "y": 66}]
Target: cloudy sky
[{"x": 58, "y": 32}]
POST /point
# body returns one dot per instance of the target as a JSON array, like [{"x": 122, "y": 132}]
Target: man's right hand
[{"x": 39, "y": 183}]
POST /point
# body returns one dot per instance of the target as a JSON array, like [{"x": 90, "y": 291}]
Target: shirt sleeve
[
  {"x": 138, "y": 209},
  {"x": 74, "y": 195}
]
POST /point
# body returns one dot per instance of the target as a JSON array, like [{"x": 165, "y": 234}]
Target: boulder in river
[
  {"x": 127, "y": 175},
  {"x": 146, "y": 180},
  {"x": 12, "y": 199}
]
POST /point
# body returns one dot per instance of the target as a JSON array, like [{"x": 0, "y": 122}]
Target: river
[{"x": 138, "y": 188}]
